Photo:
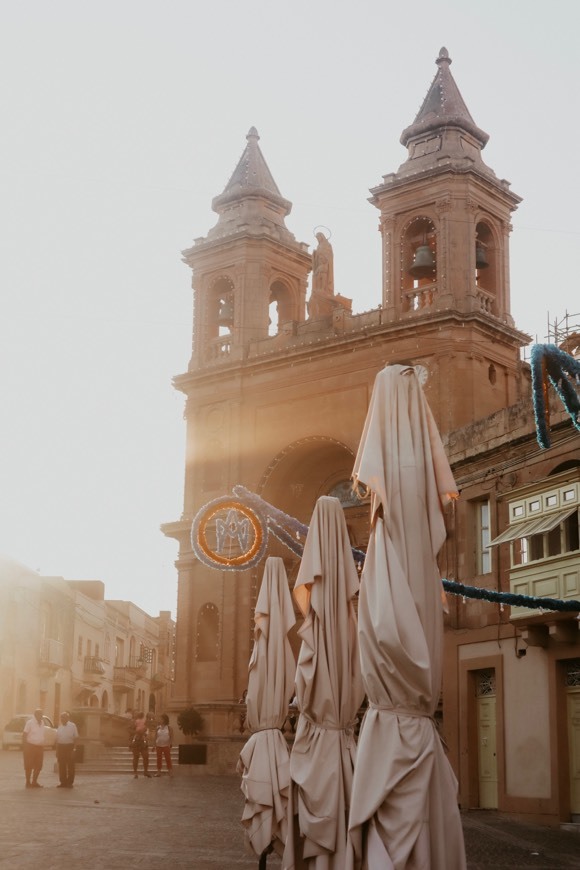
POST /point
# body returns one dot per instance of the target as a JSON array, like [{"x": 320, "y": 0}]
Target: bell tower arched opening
[
  {"x": 220, "y": 313},
  {"x": 418, "y": 264},
  {"x": 281, "y": 306},
  {"x": 486, "y": 266}
]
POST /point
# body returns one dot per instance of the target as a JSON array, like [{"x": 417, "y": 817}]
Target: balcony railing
[
  {"x": 94, "y": 665},
  {"x": 51, "y": 653},
  {"x": 485, "y": 300},
  {"x": 219, "y": 349},
  {"x": 419, "y": 298},
  {"x": 137, "y": 663},
  {"x": 123, "y": 679}
]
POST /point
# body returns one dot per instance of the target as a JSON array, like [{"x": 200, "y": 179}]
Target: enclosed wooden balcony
[{"x": 544, "y": 541}]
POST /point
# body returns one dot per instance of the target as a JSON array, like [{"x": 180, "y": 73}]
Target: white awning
[{"x": 537, "y": 526}]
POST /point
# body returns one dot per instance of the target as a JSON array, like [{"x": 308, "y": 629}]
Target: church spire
[
  {"x": 443, "y": 130},
  {"x": 252, "y": 172},
  {"x": 443, "y": 106},
  {"x": 251, "y": 201}
]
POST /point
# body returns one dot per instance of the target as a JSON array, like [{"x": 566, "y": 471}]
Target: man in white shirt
[
  {"x": 33, "y": 748},
  {"x": 66, "y": 738}
]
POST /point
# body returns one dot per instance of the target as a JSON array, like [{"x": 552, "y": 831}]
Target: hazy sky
[{"x": 121, "y": 120}]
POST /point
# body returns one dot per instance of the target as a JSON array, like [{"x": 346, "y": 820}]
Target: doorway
[
  {"x": 486, "y": 738},
  {"x": 572, "y": 681}
]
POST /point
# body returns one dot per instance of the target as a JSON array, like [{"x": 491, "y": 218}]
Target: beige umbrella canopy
[
  {"x": 329, "y": 693},
  {"x": 404, "y": 812},
  {"x": 265, "y": 759}
]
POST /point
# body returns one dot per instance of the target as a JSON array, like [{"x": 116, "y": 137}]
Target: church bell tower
[
  {"x": 445, "y": 225},
  {"x": 249, "y": 272}
]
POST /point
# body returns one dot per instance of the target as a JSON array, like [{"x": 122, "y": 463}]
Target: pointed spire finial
[
  {"x": 443, "y": 107},
  {"x": 253, "y": 134}
]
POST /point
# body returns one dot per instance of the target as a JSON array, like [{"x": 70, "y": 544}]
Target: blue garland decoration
[
  {"x": 278, "y": 521},
  {"x": 288, "y": 530},
  {"x": 551, "y": 364},
  {"x": 509, "y": 598}
]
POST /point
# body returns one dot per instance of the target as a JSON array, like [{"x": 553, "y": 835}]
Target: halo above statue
[{"x": 326, "y": 232}]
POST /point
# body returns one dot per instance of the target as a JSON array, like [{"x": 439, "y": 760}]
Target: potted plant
[{"x": 190, "y": 722}]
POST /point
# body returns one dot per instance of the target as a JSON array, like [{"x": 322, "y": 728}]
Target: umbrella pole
[{"x": 264, "y": 856}]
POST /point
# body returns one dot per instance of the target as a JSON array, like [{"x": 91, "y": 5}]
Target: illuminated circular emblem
[{"x": 229, "y": 535}]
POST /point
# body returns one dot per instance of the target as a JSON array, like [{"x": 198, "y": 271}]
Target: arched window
[
  {"x": 207, "y": 640},
  {"x": 344, "y": 492},
  {"x": 486, "y": 264},
  {"x": 280, "y": 306},
  {"x": 418, "y": 263},
  {"x": 221, "y": 308}
]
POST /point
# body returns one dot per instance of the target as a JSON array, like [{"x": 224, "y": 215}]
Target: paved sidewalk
[{"x": 112, "y": 822}]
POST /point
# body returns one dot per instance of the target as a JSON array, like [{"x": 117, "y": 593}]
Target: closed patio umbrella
[
  {"x": 404, "y": 813},
  {"x": 265, "y": 759},
  {"x": 329, "y": 693}
]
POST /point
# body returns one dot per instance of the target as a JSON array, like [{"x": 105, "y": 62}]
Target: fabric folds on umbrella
[
  {"x": 329, "y": 693},
  {"x": 404, "y": 813},
  {"x": 265, "y": 759}
]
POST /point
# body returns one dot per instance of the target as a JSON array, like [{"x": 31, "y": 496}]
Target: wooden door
[{"x": 486, "y": 740}]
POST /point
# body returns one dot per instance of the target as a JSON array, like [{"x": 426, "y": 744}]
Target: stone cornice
[{"x": 328, "y": 344}]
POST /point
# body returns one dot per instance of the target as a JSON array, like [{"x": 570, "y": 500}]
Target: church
[{"x": 277, "y": 391}]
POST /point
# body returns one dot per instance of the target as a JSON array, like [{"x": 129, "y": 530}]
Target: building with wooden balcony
[{"x": 512, "y": 676}]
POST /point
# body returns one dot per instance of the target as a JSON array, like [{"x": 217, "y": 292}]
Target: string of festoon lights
[{"x": 247, "y": 512}]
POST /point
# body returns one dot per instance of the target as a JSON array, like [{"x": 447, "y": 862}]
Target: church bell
[
  {"x": 226, "y": 312},
  {"x": 423, "y": 263},
  {"x": 481, "y": 261}
]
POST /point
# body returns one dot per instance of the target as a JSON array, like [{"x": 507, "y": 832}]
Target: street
[{"x": 114, "y": 821}]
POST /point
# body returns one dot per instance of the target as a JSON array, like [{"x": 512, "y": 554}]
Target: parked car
[{"x": 12, "y": 734}]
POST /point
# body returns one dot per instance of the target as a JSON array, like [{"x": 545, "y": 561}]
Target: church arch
[{"x": 306, "y": 470}]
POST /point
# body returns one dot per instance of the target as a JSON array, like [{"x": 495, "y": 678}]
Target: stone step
[{"x": 119, "y": 759}]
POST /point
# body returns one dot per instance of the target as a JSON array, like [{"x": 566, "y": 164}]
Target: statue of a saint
[
  {"x": 323, "y": 267},
  {"x": 323, "y": 300}
]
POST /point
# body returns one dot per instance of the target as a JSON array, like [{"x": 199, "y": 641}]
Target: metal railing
[{"x": 94, "y": 665}]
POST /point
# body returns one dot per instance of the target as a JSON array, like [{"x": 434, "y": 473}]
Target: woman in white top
[{"x": 163, "y": 744}]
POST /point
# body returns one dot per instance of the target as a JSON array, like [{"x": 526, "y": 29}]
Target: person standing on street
[
  {"x": 138, "y": 744},
  {"x": 163, "y": 743},
  {"x": 33, "y": 748},
  {"x": 66, "y": 738}
]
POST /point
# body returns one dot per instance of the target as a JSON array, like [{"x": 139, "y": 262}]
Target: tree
[{"x": 190, "y": 721}]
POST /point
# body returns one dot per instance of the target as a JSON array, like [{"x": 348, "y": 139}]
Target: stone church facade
[{"x": 277, "y": 391}]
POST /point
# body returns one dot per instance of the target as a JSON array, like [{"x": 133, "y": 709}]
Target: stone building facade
[
  {"x": 277, "y": 393},
  {"x": 64, "y": 646}
]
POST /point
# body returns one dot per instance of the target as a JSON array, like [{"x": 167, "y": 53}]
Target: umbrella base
[{"x": 264, "y": 857}]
